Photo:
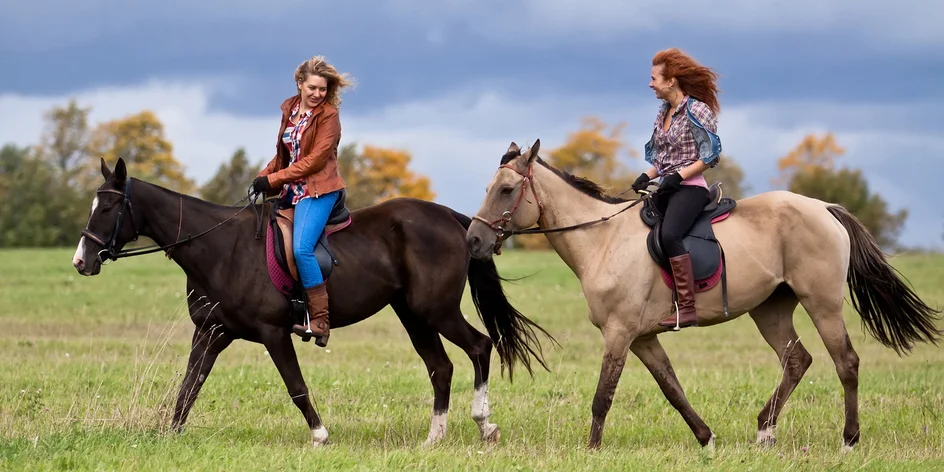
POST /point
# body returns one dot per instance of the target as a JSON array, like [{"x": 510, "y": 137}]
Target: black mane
[{"x": 584, "y": 185}]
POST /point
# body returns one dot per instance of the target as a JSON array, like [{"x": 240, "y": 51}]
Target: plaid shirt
[
  {"x": 292, "y": 139},
  {"x": 676, "y": 148}
]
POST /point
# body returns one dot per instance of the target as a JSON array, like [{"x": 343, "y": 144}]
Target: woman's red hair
[{"x": 695, "y": 79}]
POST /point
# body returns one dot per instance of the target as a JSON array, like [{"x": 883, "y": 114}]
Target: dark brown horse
[{"x": 410, "y": 254}]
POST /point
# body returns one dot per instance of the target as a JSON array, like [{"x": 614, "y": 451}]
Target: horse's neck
[
  {"x": 566, "y": 206},
  {"x": 169, "y": 217}
]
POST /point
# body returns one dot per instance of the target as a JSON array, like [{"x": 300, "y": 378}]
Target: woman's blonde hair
[{"x": 337, "y": 81}]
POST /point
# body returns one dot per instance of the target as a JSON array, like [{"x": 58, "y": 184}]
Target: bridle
[
  {"x": 109, "y": 247},
  {"x": 498, "y": 225},
  {"x": 111, "y": 254}
]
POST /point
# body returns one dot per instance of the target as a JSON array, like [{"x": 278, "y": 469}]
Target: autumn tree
[
  {"x": 593, "y": 152},
  {"x": 377, "y": 174},
  {"x": 729, "y": 173},
  {"x": 849, "y": 188},
  {"x": 810, "y": 169},
  {"x": 812, "y": 151},
  {"x": 231, "y": 181},
  {"x": 65, "y": 139},
  {"x": 138, "y": 139}
]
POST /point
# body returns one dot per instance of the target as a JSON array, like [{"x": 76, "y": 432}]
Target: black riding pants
[{"x": 680, "y": 209}]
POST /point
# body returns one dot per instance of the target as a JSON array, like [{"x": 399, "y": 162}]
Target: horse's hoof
[
  {"x": 492, "y": 434},
  {"x": 710, "y": 445},
  {"x": 319, "y": 437},
  {"x": 766, "y": 438}
]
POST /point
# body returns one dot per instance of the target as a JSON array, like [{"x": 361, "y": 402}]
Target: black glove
[
  {"x": 641, "y": 182},
  {"x": 671, "y": 182},
  {"x": 261, "y": 185}
]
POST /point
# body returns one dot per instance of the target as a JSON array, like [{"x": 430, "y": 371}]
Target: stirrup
[
  {"x": 308, "y": 333},
  {"x": 678, "y": 317}
]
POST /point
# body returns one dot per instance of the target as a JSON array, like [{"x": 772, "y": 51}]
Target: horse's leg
[
  {"x": 206, "y": 345},
  {"x": 616, "y": 341},
  {"x": 649, "y": 350},
  {"x": 278, "y": 342},
  {"x": 774, "y": 320},
  {"x": 428, "y": 345},
  {"x": 479, "y": 348},
  {"x": 827, "y": 317},
  {"x": 822, "y": 297}
]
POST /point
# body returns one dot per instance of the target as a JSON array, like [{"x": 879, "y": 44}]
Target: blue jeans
[{"x": 311, "y": 215}]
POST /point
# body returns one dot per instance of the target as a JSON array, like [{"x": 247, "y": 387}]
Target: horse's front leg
[{"x": 616, "y": 341}]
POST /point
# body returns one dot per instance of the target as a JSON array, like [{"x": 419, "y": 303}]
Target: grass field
[{"x": 89, "y": 369}]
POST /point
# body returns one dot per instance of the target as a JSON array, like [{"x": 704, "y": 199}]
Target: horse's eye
[
  {"x": 506, "y": 190},
  {"x": 106, "y": 209}
]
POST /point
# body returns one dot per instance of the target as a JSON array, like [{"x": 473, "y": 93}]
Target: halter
[{"x": 498, "y": 225}]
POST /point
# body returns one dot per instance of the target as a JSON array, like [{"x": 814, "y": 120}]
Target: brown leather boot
[
  {"x": 684, "y": 285},
  {"x": 318, "y": 313}
]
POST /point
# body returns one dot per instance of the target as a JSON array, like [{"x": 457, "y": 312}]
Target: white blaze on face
[{"x": 80, "y": 250}]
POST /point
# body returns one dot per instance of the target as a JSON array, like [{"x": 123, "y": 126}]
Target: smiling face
[
  {"x": 659, "y": 84},
  {"x": 313, "y": 90}
]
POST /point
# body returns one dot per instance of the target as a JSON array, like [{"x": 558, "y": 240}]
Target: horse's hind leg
[
  {"x": 774, "y": 320},
  {"x": 428, "y": 345},
  {"x": 653, "y": 356},
  {"x": 207, "y": 344},
  {"x": 823, "y": 300}
]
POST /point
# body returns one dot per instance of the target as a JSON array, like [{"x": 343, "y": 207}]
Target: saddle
[
  {"x": 708, "y": 265},
  {"x": 280, "y": 256}
]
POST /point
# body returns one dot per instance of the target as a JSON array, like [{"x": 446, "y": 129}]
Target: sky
[{"x": 455, "y": 81}]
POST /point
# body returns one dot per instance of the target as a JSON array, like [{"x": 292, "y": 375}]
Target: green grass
[{"x": 89, "y": 369}]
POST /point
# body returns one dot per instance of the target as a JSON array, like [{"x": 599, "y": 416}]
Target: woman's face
[
  {"x": 313, "y": 90},
  {"x": 659, "y": 84}
]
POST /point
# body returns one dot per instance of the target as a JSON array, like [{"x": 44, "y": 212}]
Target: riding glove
[
  {"x": 261, "y": 185},
  {"x": 671, "y": 182},
  {"x": 641, "y": 182}
]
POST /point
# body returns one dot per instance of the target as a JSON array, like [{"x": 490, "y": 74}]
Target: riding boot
[
  {"x": 684, "y": 285},
  {"x": 318, "y": 325}
]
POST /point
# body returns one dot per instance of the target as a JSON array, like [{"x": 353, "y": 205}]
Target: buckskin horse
[
  {"x": 770, "y": 251},
  {"x": 408, "y": 253}
]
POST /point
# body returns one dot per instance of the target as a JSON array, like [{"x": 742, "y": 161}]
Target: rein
[
  {"x": 498, "y": 225},
  {"x": 109, "y": 247}
]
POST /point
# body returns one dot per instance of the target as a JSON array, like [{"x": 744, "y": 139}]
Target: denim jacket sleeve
[{"x": 704, "y": 130}]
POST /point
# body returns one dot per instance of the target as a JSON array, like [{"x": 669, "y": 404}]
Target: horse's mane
[
  {"x": 189, "y": 198},
  {"x": 584, "y": 185}
]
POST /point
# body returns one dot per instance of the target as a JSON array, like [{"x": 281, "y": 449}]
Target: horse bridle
[
  {"x": 498, "y": 225},
  {"x": 109, "y": 247}
]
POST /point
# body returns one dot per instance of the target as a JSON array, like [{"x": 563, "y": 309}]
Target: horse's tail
[
  {"x": 512, "y": 333},
  {"x": 891, "y": 312}
]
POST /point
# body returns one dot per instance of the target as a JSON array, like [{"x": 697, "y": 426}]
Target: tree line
[{"x": 47, "y": 187}]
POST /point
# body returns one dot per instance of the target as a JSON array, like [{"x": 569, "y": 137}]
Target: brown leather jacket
[{"x": 318, "y": 163}]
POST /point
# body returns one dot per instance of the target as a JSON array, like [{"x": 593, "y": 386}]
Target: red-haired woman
[{"x": 683, "y": 145}]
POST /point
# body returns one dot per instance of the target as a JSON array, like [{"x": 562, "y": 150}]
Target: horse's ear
[
  {"x": 533, "y": 151},
  {"x": 106, "y": 172},
  {"x": 121, "y": 172},
  {"x": 513, "y": 148}
]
